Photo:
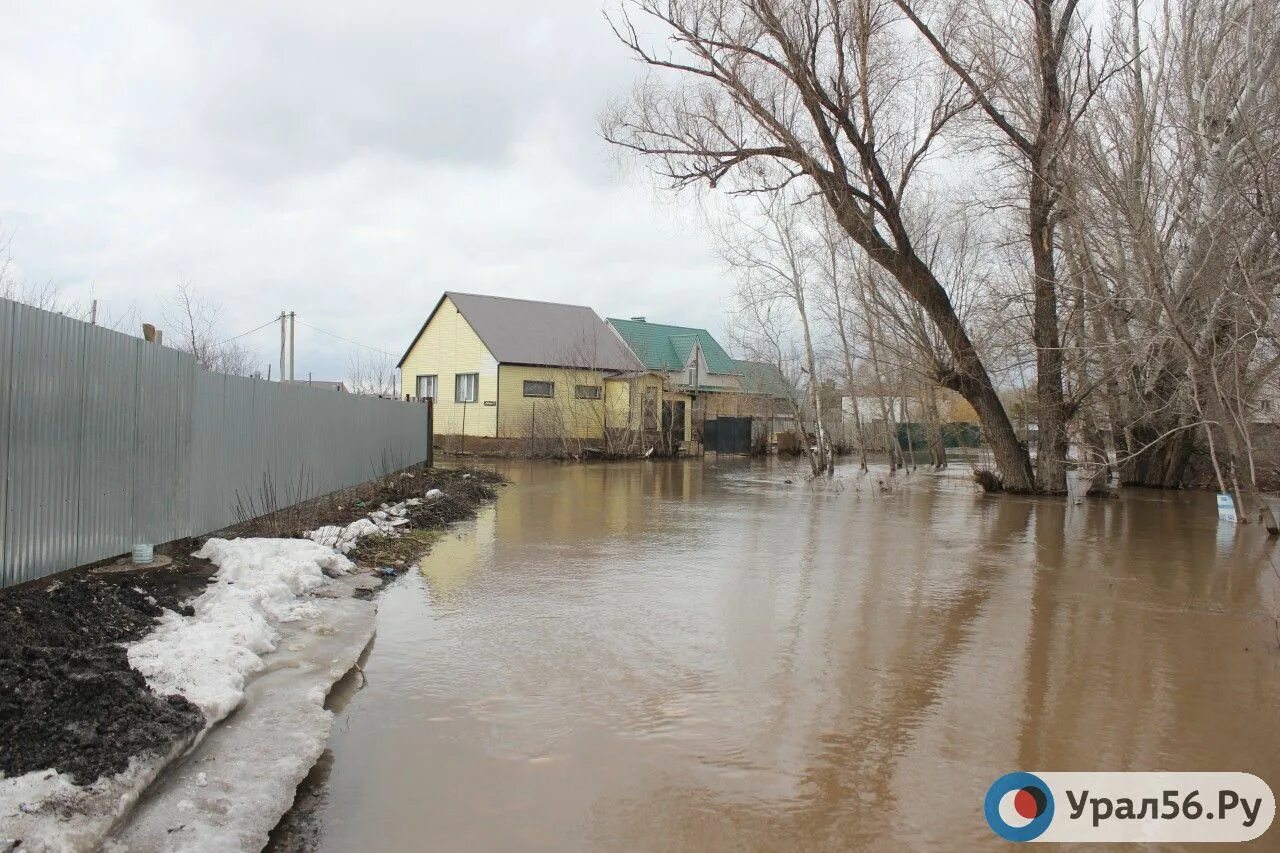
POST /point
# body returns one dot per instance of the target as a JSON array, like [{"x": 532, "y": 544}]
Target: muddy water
[{"x": 702, "y": 656}]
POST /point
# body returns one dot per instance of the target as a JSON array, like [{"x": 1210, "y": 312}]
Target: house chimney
[{"x": 638, "y": 319}]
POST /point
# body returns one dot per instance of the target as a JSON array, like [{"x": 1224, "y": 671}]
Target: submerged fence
[{"x": 107, "y": 440}]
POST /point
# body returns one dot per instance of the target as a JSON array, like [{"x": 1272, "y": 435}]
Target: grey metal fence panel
[
  {"x": 44, "y": 426},
  {"x": 185, "y": 369},
  {"x": 207, "y": 456},
  {"x": 106, "y": 440},
  {"x": 159, "y": 444},
  {"x": 107, "y": 425},
  {"x": 7, "y": 311}
]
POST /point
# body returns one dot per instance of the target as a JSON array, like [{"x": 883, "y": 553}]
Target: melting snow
[
  {"x": 207, "y": 657},
  {"x": 257, "y": 592},
  {"x": 385, "y": 520}
]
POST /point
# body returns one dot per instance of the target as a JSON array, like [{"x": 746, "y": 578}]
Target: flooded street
[{"x": 703, "y": 656}]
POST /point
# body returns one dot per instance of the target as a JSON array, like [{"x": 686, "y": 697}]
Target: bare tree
[
  {"x": 371, "y": 372},
  {"x": 1175, "y": 238},
  {"x": 1028, "y": 68},
  {"x": 836, "y": 303},
  {"x": 192, "y": 327},
  {"x": 763, "y": 330},
  {"x": 826, "y": 96},
  {"x": 774, "y": 254}
]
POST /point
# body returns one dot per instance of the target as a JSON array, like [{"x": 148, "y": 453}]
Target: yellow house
[{"x": 519, "y": 369}]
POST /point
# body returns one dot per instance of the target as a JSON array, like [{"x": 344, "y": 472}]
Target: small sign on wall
[
  {"x": 1226, "y": 508},
  {"x": 491, "y": 402}
]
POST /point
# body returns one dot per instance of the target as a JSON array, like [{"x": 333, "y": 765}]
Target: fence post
[
  {"x": 463, "y": 438},
  {"x": 431, "y": 431}
]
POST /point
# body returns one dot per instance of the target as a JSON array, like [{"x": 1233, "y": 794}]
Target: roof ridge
[
  {"x": 651, "y": 324},
  {"x": 518, "y": 299}
]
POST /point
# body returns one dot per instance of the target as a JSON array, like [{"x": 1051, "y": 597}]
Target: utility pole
[
  {"x": 293, "y": 341},
  {"x": 93, "y": 313},
  {"x": 282, "y": 334}
]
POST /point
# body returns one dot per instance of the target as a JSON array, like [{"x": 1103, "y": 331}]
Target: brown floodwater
[{"x": 703, "y": 656}]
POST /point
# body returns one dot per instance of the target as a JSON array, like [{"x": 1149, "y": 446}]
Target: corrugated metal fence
[{"x": 107, "y": 440}]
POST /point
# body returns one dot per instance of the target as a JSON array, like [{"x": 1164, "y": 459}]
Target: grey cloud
[
  {"x": 279, "y": 91},
  {"x": 347, "y": 162}
]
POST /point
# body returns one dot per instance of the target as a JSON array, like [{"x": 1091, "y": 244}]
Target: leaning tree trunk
[{"x": 968, "y": 375}]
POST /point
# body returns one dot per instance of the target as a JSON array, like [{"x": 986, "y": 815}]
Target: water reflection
[
  {"x": 459, "y": 553},
  {"x": 703, "y": 656}
]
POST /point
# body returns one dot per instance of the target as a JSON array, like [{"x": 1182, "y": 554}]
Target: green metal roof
[
  {"x": 761, "y": 377},
  {"x": 663, "y": 347}
]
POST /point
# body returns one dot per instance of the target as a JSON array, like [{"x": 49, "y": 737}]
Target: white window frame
[
  {"x": 596, "y": 392},
  {"x": 466, "y": 387},
  {"x": 435, "y": 386},
  {"x": 551, "y": 388}
]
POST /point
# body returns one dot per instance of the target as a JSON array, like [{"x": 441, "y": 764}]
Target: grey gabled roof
[{"x": 522, "y": 331}]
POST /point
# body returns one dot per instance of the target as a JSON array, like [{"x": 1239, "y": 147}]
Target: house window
[
  {"x": 426, "y": 387},
  {"x": 538, "y": 388},
  {"x": 586, "y": 392},
  {"x": 464, "y": 387},
  {"x": 693, "y": 376}
]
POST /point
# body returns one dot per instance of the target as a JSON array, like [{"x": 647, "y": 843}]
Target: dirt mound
[
  {"x": 83, "y": 612},
  {"x": 463, "y": 493},
  {"x": 68, "y": 697}
]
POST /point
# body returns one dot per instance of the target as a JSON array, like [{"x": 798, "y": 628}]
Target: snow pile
[
  {"x": 385, "y": 520},
  {"x": 207, "y": 657},
  {"x": 233, "y": 789}
]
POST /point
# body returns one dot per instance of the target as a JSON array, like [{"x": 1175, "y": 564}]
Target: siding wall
[
  {"x": 450, "y": 346},
  {"x": 719, "y": 381},
  {"x": 562, "y": 415},
  {"x": 106, "y": 441},
  {"x": 625, "y": 399}
]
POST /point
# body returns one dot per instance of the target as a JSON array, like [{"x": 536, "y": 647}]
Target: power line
[
  {"x": 341, "y": 338},
  {"x": 250, "y": 332}
]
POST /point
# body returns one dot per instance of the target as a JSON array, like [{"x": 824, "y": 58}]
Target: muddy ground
[{"x": 68, "y": 697}]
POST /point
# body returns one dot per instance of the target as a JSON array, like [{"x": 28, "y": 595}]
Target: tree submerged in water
[{"x": 1027, "y": 197}]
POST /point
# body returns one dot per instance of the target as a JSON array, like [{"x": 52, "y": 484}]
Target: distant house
[
  {"x": 767, "y": 395},
  {"x": 510, "y": 369},
  {"x": 690, "y": 358},
  {"x": 760, "y": 378},
  {"x": 325, "y": 384},
  {"x": 516, "y": 368},
  {"x": 694, "y": 362}
]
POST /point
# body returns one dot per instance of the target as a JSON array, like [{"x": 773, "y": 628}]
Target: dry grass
[
  {"x": 379, "y": 550},
  {"x": 465, "y": 489}
]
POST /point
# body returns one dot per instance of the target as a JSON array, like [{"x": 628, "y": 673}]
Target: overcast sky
[{"x": 348, "y": 161}]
